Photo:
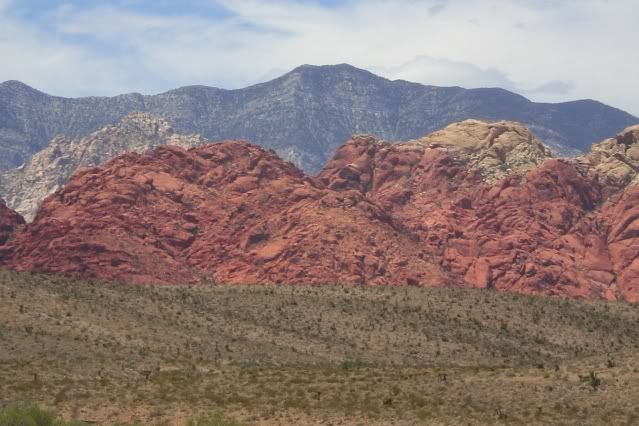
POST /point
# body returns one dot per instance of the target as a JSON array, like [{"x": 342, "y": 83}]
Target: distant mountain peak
[
  {"x": 333, "y": 69},
  {"x": 19, "y": 86},
  {"x": 303, "y": 115},
  {"x": 14, "y": 83},
  {"x": 329, "y": 67}
]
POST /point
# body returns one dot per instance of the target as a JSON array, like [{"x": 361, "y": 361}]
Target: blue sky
[
  {"x": 548, "y": 50},
  {"x": 38, "y": 10}
]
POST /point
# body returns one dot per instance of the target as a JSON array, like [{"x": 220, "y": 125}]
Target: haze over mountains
[{"x": 303, "y": 115}]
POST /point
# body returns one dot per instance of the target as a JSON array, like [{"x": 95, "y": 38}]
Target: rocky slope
[
  {"x": 24, "y": 188},
  {"x": 615, "y": 161},
  {"x": 563, "y": 227},
  {"x": 9, "y": 222},
  {"x": 231, "y": 212},
  {"x": 476, "y": 204},
  {"x": 304, "y": 115},
  {"x": 492, "y": 151}
]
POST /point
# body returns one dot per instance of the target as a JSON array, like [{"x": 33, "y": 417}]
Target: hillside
[
  {"x": 24, "y": 188},
  {"x": 229, "y": 212},
  {"x": 501, "y": 213},
  {"x": 476, "y": 204},
  {"x": 303, "y": 115},
  {"x": 315, "y": 354}
]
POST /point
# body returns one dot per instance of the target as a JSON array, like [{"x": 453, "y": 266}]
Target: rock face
[
  {"x": 304, "y": 115},
  {"x": 229, "y": 210},
  {"x": 24, "y": 188},
  {"x": 559, "y": 227},
  {"x": 9, "y": 222},
  {"x": 616, "y": 160},
  {"x": 477, "y": 204},
  {"x": 493, "y": 151}
]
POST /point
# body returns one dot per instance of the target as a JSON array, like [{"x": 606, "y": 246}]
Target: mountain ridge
[{"x": 304, "y": 115}]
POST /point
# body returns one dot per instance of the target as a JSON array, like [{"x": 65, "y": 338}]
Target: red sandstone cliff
[
  {"x": 501, "y": 213},
  {"x": 476, "y": 204},
  {"x": 230, "y": 210}
]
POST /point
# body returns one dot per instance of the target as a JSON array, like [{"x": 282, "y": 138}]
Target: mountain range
[{"x": 303, "y": 115}]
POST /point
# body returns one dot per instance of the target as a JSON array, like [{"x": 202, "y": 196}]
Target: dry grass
[{"x": 315, "y": 354}]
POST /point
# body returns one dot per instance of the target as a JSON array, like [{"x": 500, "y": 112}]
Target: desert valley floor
[{"x": 322, "y": 354}]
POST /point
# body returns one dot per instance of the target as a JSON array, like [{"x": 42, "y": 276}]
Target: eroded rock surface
[
  {"x": 615, "y": 161},
  {"x": 231, "y": 211},
  {"x": 477, "y": 204},
  {"x": 492, "y": 150},
  {"x": 517, "y": 221}
]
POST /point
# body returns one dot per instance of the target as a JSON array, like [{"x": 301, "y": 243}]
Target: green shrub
[
  {"x": 31, "y": 415},
  {"x": 352, "y": 364},
  {"x": 216, "y": 419}
]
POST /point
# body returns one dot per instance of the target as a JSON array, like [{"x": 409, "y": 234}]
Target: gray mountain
[
  {"x": 303, "y": 115},
  {"x": 24, "y": 187}
]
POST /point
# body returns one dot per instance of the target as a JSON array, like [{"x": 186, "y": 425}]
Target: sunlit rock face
[{"x": 478, "y": 204}]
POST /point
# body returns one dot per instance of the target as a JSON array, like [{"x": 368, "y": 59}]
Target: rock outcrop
[
  {"x": 9, "y": 222},
  {"x": 477, "y": 204},
  {"x": 231, "y": 211},
  {"x": 615, "y": 161},
  {"x": 24, "y": 188},
  {"x": 517, "y": 221},
  {"x": 493, "y": 151}
]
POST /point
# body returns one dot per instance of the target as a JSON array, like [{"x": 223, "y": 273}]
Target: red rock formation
[
  {"x": 477, "y": 204},
  {"x": 9, "y": 222},
  {"x": 231, "y": 210},
  {"x": 563, "y": 228},
  {"x": 621, "y": 244}
]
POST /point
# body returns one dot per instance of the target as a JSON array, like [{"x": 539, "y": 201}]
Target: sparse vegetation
[
  {"x": 26, "y": 414},
  {"x": 29, "y": 414},
  {"x": 216, "y": 419},
  {"x": 293, "y": 355}
]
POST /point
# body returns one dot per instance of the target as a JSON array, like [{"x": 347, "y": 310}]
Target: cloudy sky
[{"x": 547, "y": 50}]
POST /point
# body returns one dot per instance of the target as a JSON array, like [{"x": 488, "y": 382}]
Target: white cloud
[
  {"x": 444, "y": 72},
  {"x": 547, "y": 50}
]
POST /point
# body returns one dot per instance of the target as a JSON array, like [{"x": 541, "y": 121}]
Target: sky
[{"x": 546, "y": 50}]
